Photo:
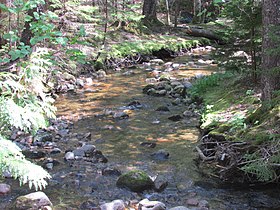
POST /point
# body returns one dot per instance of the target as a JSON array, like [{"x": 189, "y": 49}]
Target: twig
[{"x": 202, "y": 156}]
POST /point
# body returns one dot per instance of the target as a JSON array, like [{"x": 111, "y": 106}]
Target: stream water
[{"x": 120, "y": 141}]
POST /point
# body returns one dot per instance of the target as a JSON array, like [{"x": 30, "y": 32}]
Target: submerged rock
[
  {"x": 148, "y": 144},
  {"x": 175, "y": 118},
  {"x": 163, "y": 109},
  {"x": 160, "y": 184},
  {"x": 136, "y": 181},
  {"x": 160, "y": 155},
  {"x": 111, "y": 172},
  {"x": 33, "y": 201},
  {"x": 34, "y": 154}
]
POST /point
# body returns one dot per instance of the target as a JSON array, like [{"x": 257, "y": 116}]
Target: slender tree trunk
[
  {"x": 167, "y": 13},
  {"x": 270, "y": 42},
  {"x": 197, "y": 5},
  {"x": 2, "y": 42},
  {"x": 27, "y": 34},
  {"x": 176, "y": 13}
]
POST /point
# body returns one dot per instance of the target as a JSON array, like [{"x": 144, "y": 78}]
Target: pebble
[
  {"x": 4, "y": 189},
  {"x": 192, "y": 201},
  {"x": 69, "y": 156}
]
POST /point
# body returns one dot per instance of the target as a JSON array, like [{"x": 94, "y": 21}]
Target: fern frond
[{"x": 13, "y": 161}]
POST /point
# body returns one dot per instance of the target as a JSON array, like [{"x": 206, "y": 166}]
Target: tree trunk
[
  {"x": 270, "y": 60},
  {"x": 176, "y": 13},
  {"x": 197, "y": 5},
  {"x": 149, "y": 9},
  {"x": 2, "y": 41},
  {"x": 167, "y": 12},
  {"x": 27, "y": 34}
]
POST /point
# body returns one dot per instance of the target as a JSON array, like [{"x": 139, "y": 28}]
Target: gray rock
[
  {"x": 32, "y": 201},
  {"x": 177, "y": 101},
  {"x": 114, "y": 205},
  {"x": 148, "y": 144},
  {"x": 157, "y": 61},
  {"x": 80, "y": 83},
  {"x": 120, "y": 115},
  {"x": 111, "y": 172},
  {"x": 161, "y": 92},
  {"x": 175, "y": 83},
  {"x": 179, "y": 208},
  {"x": 187, "y": 84},
  {"x": 160, "y": 155},
  {"x": 151, "y": 80},
  {"x": 136, "y": 181},
  {"x": 188, "y": 113},
  {"x": 160, "y": 184},
  {"x": 4, "y": 189},
  {"x": 55, "y": 151},
  {"x": 89, "y": 81},
  {"x": 203, "y": 204},
  {"x": 101, "y": 73},
  {"x": 152, "y": 92},
  {"x": 85, "y": 151},
  {"x": 147, "y": 88},
  {"x": 151, "y": 205},
  {"x": 43, "y": 136},
  {"x": 192, "y": 202},
  {"x": 99, "y": 157},
  {"x": 68, "y": 77},
  {"x": 162, "y": 109},
  {"x": 69, "y": 156}
]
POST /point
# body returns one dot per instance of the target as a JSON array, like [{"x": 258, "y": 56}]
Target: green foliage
[
  {"x": 259, "y": 168},
  {"x": 237, "y": 122},
  {"x": 12, "y": 161},
  {"x": 24, "y": 105},
  {"x": 20, "y": 106},
  {"x": 24, "y": 102},
  {"x": 202, "y": 84}
]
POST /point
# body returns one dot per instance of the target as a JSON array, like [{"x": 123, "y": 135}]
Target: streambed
[{"x": 76, "y": 184}]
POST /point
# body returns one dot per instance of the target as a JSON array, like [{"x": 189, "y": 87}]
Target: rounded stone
[
  {"x": 37, "y": 200},
  {"x": 4, "y": 189},
  {"x": 136, "y": 181}
]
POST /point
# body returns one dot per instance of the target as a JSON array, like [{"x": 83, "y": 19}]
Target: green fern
[
  {"x": 12, "y": 161},
  {"x": 24, "y": 105}
]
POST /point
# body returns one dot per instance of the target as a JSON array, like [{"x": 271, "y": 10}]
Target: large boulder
[
  {"x": 136, "y": 181},
  {"x": 32, "y": 201}
]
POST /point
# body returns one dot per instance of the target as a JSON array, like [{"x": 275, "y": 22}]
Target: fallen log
[{"x": 200, "y": 32}]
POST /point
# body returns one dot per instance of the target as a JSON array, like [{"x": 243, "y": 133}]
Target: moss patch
[{"x": 136, "y": 181}]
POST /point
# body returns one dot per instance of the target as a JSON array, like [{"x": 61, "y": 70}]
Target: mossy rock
[
  {"x": 147, "y": 88},
  {"x": 136, "y": 181}
]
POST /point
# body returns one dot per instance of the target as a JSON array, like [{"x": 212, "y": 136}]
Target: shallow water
[{"x": 119, "y": 141}]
